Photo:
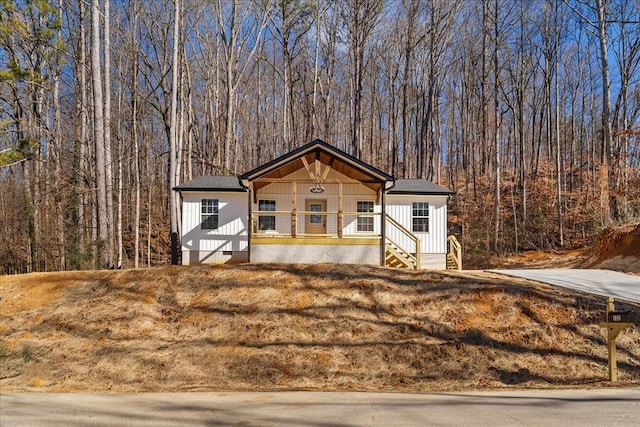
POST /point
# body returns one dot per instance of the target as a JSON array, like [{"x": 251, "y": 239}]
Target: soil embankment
[
  {"x": 617, "y": 248},
  {"x": 312, "y": 327}
]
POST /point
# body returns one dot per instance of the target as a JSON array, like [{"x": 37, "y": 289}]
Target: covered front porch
[
  {"x": 348, "y": 237},
  {"x": 339, "y": 211},
  {"x": 316, "y": 234},
  {"x": 317, "y": 204}
]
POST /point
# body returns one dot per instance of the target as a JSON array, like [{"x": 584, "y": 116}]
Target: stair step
[
  {"x": 396, "y": 258},
  {"x": 452, "y": 263}
]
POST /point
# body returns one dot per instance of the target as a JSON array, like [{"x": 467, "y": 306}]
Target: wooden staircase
[
  {"x": 454, "y": 254},
  {"x": 396, "y": 257},
  {"x": 406, "y": 255},
  {"x": 451, "y": 262},
  {"x": 402, "y": 248}
]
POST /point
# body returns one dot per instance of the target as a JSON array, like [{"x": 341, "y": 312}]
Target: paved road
[
  {"x": 549, "y": 408},
  {"x": 600, "y": 282}
]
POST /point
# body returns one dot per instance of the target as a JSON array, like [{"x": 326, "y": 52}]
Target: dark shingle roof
[
  {"x": 232, "y": 184},
  {"x": 212, "y": 183},
  {"x": 418, "y": 186}
]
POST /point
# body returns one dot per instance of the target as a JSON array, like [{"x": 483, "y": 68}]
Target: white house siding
[
  {"x": 352, "y": 193},
  {"x": 399, "y": 207},
  {"x": 228, "y": 243}
]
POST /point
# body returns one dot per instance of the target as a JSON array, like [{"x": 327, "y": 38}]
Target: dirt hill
[
  {"x": 617, "y": 248},
  {"x": 312, "y": 327}
]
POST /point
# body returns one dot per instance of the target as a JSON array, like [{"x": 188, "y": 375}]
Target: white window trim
[
  {"x": 204, "y": 216},
  {"x": 265, "y": 201},
  {"x": 427, "y": 217},
  {"x": 359, "y": 217}
]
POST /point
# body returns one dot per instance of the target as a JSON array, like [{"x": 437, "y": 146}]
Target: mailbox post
[{"x": 616, "y": 321}]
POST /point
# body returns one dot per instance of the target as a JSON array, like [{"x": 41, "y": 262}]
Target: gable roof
[
  {"x": 418, "y": 186},
  {"x": 212, "y": 183},
  {"x": 319, "y": 150},
  {"x": 326, "y": 154}
]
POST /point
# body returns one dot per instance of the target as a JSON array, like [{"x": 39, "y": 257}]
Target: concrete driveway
[
  {"x": 597, "y": 407},
  {"x": 600, "y": 282}
]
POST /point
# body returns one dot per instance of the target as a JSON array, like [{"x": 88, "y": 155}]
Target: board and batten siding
[
  {"x": 352, "y": 193},
  {"x": 229, "y": 242},
  {"x": 399, "y": 207}
]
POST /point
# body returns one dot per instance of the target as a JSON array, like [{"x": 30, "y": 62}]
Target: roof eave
[
  {"x": 422, "y": 193},
  {"x": 301, "y": 151},
  {"x": 222, "y": 190}
]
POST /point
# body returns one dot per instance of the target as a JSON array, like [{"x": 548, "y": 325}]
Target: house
[{"x": 315, "y": 204}]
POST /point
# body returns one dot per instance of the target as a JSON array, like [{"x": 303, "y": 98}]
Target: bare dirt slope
[
  {"x": 573, "y": 258},
  {"x": 314, "y": 327},
  {"x": 617, "y": 248}
]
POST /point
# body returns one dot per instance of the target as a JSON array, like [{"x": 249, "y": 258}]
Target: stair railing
[
  {"x": 455, "y": 251},
  {"x": 399, "y": 232}
]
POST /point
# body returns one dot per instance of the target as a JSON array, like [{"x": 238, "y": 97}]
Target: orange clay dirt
[
  {"x": 617, "y": 248},
  {"x": 300, "y": 327}
]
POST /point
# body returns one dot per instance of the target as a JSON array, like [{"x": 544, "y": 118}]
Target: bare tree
[
  {"x": 173, "y": 134},
  {"x": 240, "y": 29},
  {"x": 511, "y": 98},
  {"x": 108, "y": 167},
  {"x": 290, "y": 21},
  {"x": 605, "y": 154},
  {"x": 359, "y": 19},
  {"x": 98, "y": 136}
]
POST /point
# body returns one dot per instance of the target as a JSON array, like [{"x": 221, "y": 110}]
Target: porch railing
[{"x": 315, "y": 224}]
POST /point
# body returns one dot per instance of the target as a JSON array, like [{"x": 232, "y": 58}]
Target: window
[
  {"x": 315, "y": 207},
  {"x": 420, "y": 217},
  {"x": 209, "y": 214},
  {"x": 365, "y": 223},
  {"x": 266, "y": 222}
]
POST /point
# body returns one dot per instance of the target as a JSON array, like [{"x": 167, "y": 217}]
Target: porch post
[
  {"x": 294, "y": 215},
  {"x": 249, "y": 222},
  {"x": 383, "y": 230},
  {"x": 340, "y": 219}
]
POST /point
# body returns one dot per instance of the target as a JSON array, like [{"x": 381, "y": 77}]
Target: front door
[{"x": 316, "y": 223}]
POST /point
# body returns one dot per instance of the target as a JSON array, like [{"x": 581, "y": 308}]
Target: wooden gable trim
[{"x": 317, "y": 148}]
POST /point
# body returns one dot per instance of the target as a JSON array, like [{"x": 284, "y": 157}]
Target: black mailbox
[{"x": 620, "y": 317}]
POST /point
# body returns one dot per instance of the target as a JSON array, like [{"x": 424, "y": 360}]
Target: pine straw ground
[{"x": 311, "y": 327}]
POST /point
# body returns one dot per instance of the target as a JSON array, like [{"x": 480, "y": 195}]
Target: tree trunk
[
  {"x": 498, "y": 168},
  {"x": 173, "y": 158},
  {"x": 99, "y": 141},
  {"x": 58, "y": 176},
  {"x": 107, "y": 134},
  {"x": 557, "y": 130},
  {"x": 136, "y": 163},
  {"x": 605, "y": 153}
]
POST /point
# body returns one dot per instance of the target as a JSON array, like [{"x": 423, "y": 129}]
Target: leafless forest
[{"x": 528, "y": 109}]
